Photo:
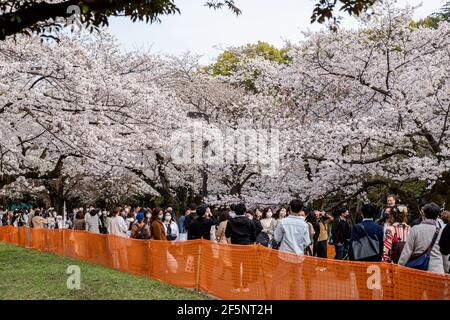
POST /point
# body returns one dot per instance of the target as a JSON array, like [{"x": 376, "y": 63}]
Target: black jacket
[
  {"x": 258, "y": 226},
  {"x": 241, "y": 230},
  {"x": 444, "y": 242},
  {"x": 187, "y": 222},
  {"x": 340, "y": 231},
  {"x": 201, "y": 228}
]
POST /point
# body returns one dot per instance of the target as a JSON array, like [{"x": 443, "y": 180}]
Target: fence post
[{"x": 197, "y": 280}]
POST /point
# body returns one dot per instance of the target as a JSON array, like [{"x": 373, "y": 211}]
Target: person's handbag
[
  {"x": 365, "y": 247},
  {"x": 170, "y": 236},
  {"x": 422, "y": 261}
]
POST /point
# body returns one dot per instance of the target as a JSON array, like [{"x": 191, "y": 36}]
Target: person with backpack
[
  {"x": 140, "y": 229},
  {"x": 396, "y": 235},
  {"x": 422, "y": 249}
]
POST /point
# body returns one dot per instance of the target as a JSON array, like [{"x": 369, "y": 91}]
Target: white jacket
[
  {"x": 117, "y": 226},
  {"x": 174, "y": 229},
  {"x": 418, "y": 241},
  {"x": 92, "y": 223}
]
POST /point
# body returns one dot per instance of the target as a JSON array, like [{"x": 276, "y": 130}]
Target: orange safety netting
[{"x": 219, "y": 268}]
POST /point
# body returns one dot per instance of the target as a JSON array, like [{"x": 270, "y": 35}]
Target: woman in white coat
[{"x": 171, "y": 227}]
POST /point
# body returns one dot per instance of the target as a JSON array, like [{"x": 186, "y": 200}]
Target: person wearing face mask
[
  {"x": 170, "y": 210},
  {"x": 157, "y": 229},
  {"x": 170, "y": 227},
  {"x": 147, "y": 216},
  {"x": 268, "y": 222}
]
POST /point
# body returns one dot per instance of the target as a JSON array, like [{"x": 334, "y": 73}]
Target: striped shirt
[{"x": 394, "y": 233}]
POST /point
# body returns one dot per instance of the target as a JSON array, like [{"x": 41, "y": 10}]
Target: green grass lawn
[{"x": 29, "y": 274}]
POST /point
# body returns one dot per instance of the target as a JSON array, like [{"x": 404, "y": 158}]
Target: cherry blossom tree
[
  {"x": 347, "y": 112},
  {"x": 374, "y": 104}
]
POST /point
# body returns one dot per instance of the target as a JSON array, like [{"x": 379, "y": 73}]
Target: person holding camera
[
  {"x": 323, "y": 220},
  {"x": 200, "y": 227}
]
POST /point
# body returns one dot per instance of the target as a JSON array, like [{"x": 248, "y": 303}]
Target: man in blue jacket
[
  {"x": 367, "y": 228},
  {"x": 372, "y": 230}
]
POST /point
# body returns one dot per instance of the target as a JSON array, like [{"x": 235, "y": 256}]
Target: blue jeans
[{"x": 340, "y": 251}]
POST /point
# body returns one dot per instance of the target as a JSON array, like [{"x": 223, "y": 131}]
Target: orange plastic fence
[{"x": 219, "y": 268}]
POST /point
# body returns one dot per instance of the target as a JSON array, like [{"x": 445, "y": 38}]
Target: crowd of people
[{"x": 375, "y": 235}]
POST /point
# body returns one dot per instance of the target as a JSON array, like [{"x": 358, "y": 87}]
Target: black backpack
[{"x": 397, "y": 248}]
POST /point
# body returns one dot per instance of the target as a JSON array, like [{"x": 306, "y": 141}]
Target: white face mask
[
  {"x": 148, "y": 215},
  {"x": 168, "y": 218},
  {"x": 269, "y": 214}
]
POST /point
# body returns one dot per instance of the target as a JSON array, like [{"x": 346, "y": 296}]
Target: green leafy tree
[
  {"x": 227, "y": 62},
  {"x": 42, "y": 16},
  {"x": 433, "y": 20}
]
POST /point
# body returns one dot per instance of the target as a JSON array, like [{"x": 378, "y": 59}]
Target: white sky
[{"x": 205, "y": 32}]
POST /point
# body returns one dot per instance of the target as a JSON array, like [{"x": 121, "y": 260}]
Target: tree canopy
[{"x": 227, "y": 62}]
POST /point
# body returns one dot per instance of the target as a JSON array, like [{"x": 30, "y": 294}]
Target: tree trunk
[{"x": 55, "y": 189}]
